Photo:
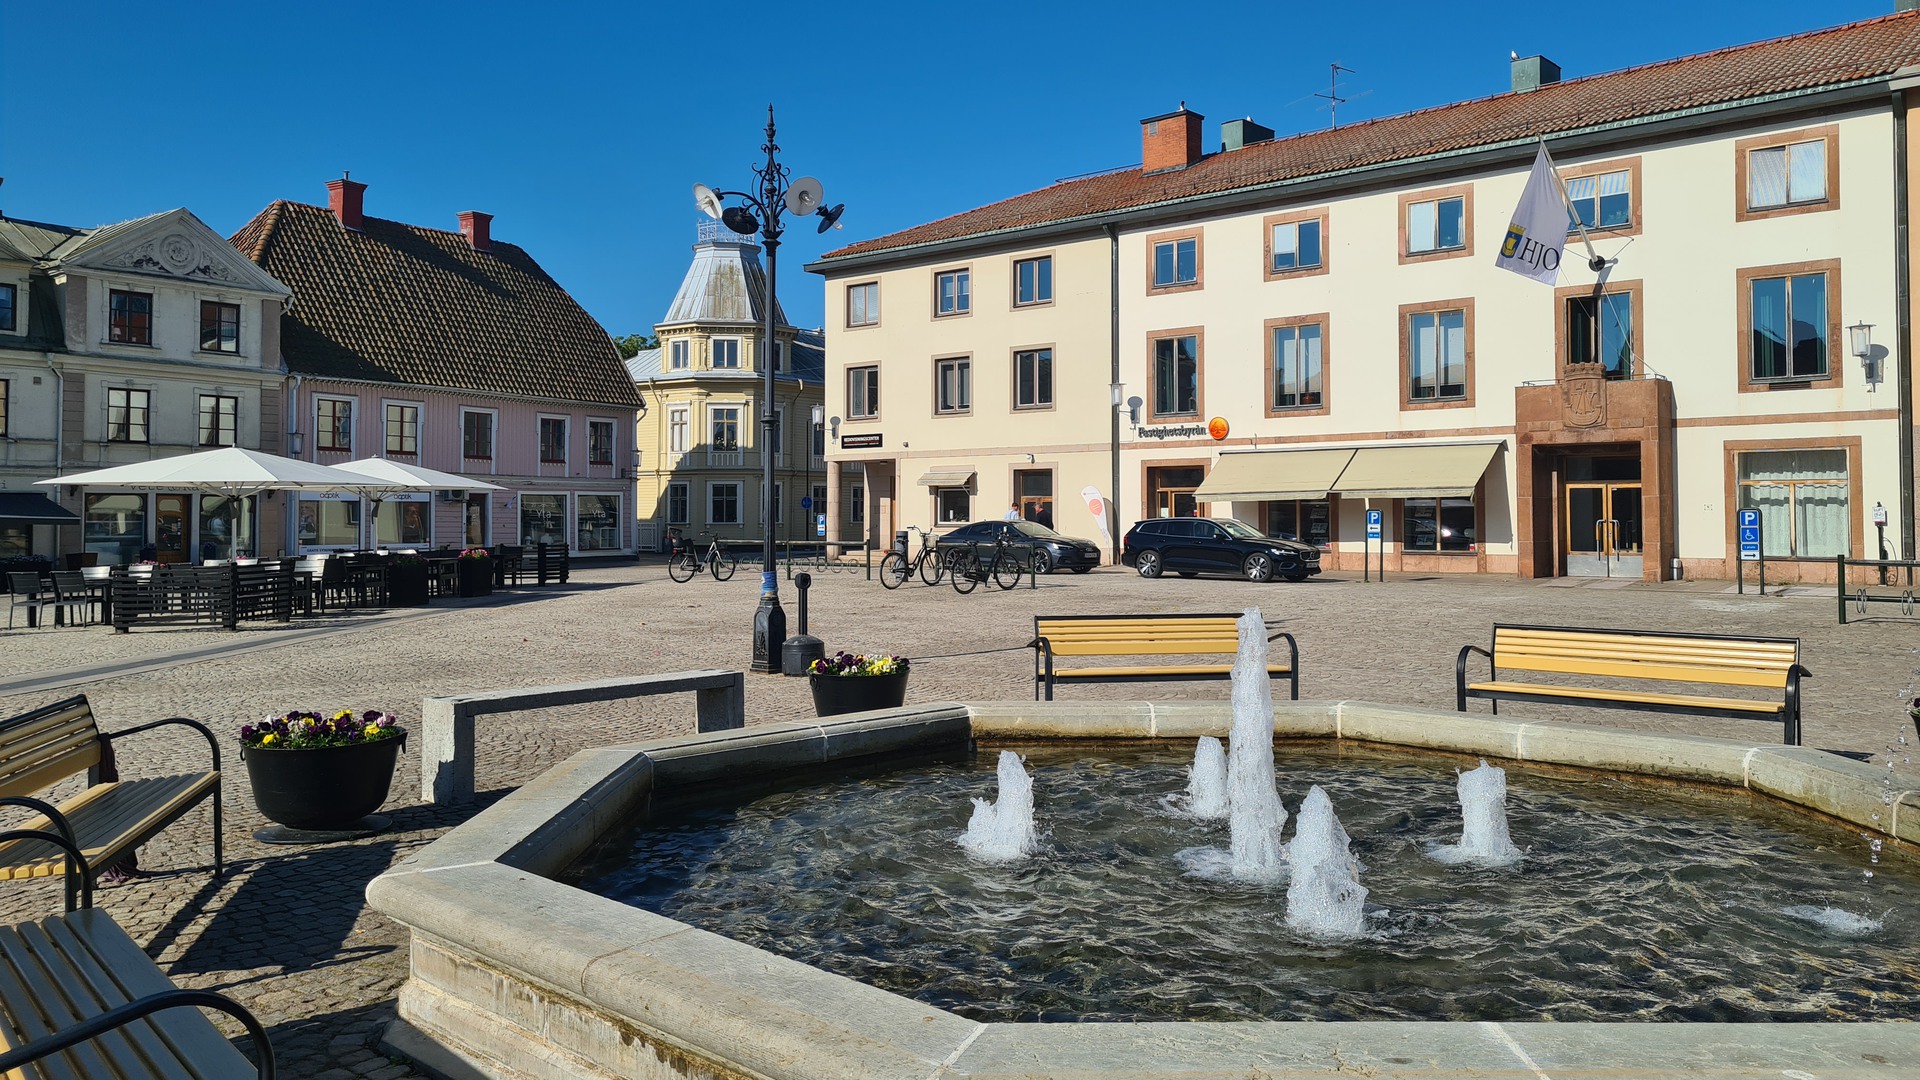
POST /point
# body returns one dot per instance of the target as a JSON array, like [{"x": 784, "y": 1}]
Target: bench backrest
[
  {"x": 1138, "y": 635},
  {"x": 43, "y": 747},
  {"x": 1698, "y": 658}
]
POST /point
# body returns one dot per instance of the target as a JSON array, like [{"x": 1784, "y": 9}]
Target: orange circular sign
[{"x": 1217, "y": 427}]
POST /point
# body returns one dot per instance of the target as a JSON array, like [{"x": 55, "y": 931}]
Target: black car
[
  {"x": 1050, "y": 548},
  {"x": 1190, "y": 546}
]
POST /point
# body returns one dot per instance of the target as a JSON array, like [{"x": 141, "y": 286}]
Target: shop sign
[{"x": 860, "y": 442}]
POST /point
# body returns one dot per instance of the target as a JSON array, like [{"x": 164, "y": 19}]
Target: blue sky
[{"x": 583, "y": 126}]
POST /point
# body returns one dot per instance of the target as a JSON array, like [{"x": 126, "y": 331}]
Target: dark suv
[{"x": 1190, "y": 546}]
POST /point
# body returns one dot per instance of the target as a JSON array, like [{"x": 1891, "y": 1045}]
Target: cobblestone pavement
[{"x": 287, "y": 930}]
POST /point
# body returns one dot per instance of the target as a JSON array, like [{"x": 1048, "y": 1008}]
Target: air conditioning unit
[{"x": 453, "y": 496}]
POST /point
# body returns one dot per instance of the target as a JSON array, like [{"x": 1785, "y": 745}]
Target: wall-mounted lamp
[
  {"x": 1119, "y": 391},
  {"x": 833, "y": 428},
  {"x": 819, "y": 415},
  {"x": 1860, "y": 340}
]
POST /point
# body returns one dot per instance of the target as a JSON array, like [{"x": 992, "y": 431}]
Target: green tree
[{"x": 631, "y": 344}]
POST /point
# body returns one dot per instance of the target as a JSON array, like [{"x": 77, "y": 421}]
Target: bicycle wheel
[
  {"x": 894, "y": 570},
  {"x": 933, "y": 566},
  {"x": 723, "y": 564},
  {"x": 966, "y": 572},
  {"x": 683, "y": 567},
  {"x": 1006, "y": 570}
]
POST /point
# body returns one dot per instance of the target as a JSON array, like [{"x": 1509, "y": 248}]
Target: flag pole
[{"x": 1594, "y": 262}]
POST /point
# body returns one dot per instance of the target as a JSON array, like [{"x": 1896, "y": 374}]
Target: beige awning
[
  {"x": 1415, "y": 472},
  {"x": 1273, "y": 474},
  {"x": 947, "y": 478}
]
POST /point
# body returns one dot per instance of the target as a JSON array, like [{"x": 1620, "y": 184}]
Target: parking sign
[
  {"x": 1373, "y": 524},
  {"x": 1749, "y": 536}
]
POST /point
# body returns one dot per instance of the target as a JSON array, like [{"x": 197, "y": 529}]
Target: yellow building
[{"x": 701, "y": 437}]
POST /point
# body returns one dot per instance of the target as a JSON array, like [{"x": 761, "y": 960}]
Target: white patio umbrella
[
  {"x": 403, "y": 477},
  {"x": 231, "y": 471}
]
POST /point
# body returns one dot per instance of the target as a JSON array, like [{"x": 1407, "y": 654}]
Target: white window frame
[
  {"x": 739, "y": 497},
  {"x": 739, "y": 408},
  {"x": 678, "y": 352},
  {"x": 419, "y": 425},
  {"x": 493, "y": 435},
  {"x": 540, "y": 439},
  {"x": 869, "y": 306},
  {"x": 870, "y": 388},
  {"x": 730, "y": 346},
  {"x": 613, "y": 440},
  {"x": 961, "y": 369},
  {"x": 957, "y": 300},
  {"x": 679, "y": 428}
]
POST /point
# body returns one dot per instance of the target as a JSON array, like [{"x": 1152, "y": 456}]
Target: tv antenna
[{"x": 1334, "y": 100}]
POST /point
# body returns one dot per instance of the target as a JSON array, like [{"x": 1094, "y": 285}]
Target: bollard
[{"x": 802, "y": 649}]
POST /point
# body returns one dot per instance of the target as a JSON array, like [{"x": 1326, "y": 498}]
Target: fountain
[
  {"x": 1003, "y": 831},
  {"x": 1324, "y": 898},
  {"x": 1206, "y": 795},
  {"x": 1483, "y": 812}
]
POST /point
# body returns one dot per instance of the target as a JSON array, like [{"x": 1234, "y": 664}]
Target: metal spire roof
[{"x": 724, "y": 284}]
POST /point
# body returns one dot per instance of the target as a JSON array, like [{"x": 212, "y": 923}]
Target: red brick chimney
[
  {"x": 344, "y": 197},
  {"x": 1170, "y": 141},
  {"x": 477, "y": 228}
]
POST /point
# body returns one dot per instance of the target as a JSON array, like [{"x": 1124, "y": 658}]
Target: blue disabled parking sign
[{"x": 1749, "y": 536}]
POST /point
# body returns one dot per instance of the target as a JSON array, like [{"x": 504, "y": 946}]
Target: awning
[
  {"x": 33, "y": 508},
  {"x": 947, "y": 478},
  {"x": 1273, "y": 474},
  {"x": 1415, "y": 472}
]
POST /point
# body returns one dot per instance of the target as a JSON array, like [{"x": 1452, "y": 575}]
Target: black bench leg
[{"x": 219, "y": 852}]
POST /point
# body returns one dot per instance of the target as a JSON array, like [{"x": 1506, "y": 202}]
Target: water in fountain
[
  {"x": 1002, "y": 831},
  {"x": 1254, "y": 813},
  {"x": 1483, "y": 809},
  {"x": 1325, "y": 897},
  {"x": 1206, "y": 796}
]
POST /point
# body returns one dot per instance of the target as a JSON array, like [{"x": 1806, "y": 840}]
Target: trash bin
[
  {"x": 1679, "y": 572},
  {"x": 900, "y": 543}
]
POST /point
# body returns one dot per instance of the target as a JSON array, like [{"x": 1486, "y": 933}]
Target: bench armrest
[
  {"x": 1042, "y": 666},
  {"x": 1795, "y": 673},
  {"x": 213, "y": 745},
  {"x": 1293, "y": 659},
  {"x": 1460, "y": 674},
  {"x": 121, "y": 1015},
  {"x": 76, "y": 861}
]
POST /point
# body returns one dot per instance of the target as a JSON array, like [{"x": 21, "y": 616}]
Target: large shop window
[
  {"x": 1437, "y": 525},
  {"x": 404, "y": 524},
  {"x": 115, "y": 526},
  {"x": 1308, "y": 520},
  {"x": 543, "y": 519},
  {"x": 226, "y": 527},
  {"x": 1802, "y": 496},
  {"x": 329, "y": 523},
  {"x": 599, "y": 524}
]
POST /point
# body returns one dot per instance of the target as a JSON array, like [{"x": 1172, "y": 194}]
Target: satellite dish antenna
[
  {"x": 803, "y": 197},
  {"x": 830, "y": 218},
  {"x": 706, "y": 200}
]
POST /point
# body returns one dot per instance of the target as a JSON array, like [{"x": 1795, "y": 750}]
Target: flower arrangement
[
  {"x": 314, "y": 731},
  {"x": 407, "y": 560},
  {"x": 475, "y": 553},
  {"x": 855, "y": 664}
]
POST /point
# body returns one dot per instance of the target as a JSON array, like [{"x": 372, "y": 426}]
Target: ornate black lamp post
[{"x": 775, "y": 196}]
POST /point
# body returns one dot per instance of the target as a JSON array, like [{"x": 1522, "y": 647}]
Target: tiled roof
[
  {"x": 1863, "y": 50},
  {"x": 401, "y": 303}
]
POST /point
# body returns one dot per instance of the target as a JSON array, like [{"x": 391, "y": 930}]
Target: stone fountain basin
[{"x": 516, "y": 975}]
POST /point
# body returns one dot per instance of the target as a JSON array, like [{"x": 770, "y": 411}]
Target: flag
[{"x": 1537, "y": 236}]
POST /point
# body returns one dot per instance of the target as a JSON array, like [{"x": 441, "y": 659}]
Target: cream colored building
[
  {"x": 1314, "y": 328},
  {"x": 701, "y": 437}
]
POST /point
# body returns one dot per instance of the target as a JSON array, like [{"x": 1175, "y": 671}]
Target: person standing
[{"x": 1013, "y": 511}]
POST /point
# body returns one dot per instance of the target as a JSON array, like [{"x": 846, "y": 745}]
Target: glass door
[
  {"x": 1604, "y": 533},
  {"x": 170, "y": 529}
]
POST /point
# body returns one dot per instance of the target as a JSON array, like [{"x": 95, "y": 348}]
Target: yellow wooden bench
[
  {"x": 1623, "y": 658},
  {"x": 78, "y": 999},
  {"x": 1057, "y": 636},
  {"x": 109, "y": 818}
]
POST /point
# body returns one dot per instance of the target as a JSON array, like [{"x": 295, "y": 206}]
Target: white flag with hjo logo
[{"x": 1537, "y": 236}]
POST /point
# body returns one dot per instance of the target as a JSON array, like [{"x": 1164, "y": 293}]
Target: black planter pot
[
  {"x": 331, "y": 788},
  {"x": 475, "y": 577},
  {"x": 836, "y": 694},
  {"x": 406, "y": 584}
]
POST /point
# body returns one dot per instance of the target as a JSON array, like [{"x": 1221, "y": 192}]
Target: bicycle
[
  {"x": 684, "y": 563},
  {"x": 1004, "y": 566},
  {"x": 896, "y": 568}
]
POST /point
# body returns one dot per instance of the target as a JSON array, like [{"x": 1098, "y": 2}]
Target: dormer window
[
  {"x": 677, "y": 354},
  {"x": 726, "y": 352}
]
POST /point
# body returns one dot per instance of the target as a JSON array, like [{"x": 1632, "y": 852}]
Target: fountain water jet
[
  {"x": 1254, "y": 813},
  {"x": 1207, "y": 780},
  {"x": 1483, "y": 810},
  {"x": 1003, "y": 831},
  {"x": 1325, "y": 897}
]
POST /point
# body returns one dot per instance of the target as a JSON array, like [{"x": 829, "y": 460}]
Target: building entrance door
[
  {"x": 1603, "y": 534},
  {"x": 170, "y": 537},
  {"x": 1170, "y": 491}
]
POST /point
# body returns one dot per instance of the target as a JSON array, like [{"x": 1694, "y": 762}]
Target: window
[
  {"x": 127, "y": 415},
  {"x": 543, "y": 519},
  {"x": 779, "y": 511},
  {"x": 1309, "y": 521},
  {"x": 678, "y": 425},
  {"x": 1296, "y": 244},
  {"x": 953, "y": 381},
  {"x": 723, "y": 502},
  {"x": 1033, "y": 379},
  {"x": 1033, "y": 490},
  {"x": 219, "y": 419},
  {"x": 130, "y": 317},
  {"x": 1176, "y": 374},
  {"x": 725, "y": 422},
  {"x": 1033, "y": 281},
  {"x": 403, "y": 429},
  {"x": 726, "y": 352},
  {"x": 953, "y": 292},
  {"x": 599, "y": 442},
  {"x": 1436, "y": 353},
  {"x": 952, "y": 505},
  {"x": 9, "y": 295},
  {"x": 1599, "y": 329},
  {"x": 1173, "y": 262},
  {"x": 1436, "y": 224},
  {"x": 476, "y": 434},
  {"x": 5, "y": 408},
  {"x": 333, "y": 424},
  {"x": 677, "y": 354},
  {"x": 1296, "y": 364},
  {"x": 1803, "y": 499},
  {"x": 219, "y": 327},
  {"x": 1794, "y": 172},
  {"x": 1602, "y": 199},
  {"x": 1437, "y": 525},
  {"x": 677, "y": 502},
  {"x": 856, "y": 502},
  {"x": 863, "y": 304},
  {"x": 553, "y": 440},
  {"x": 1790, "y": 336},
  {"x": 863, "y": 393},
  {"x": 779, "y": 356},
  {"x": 405, "y": 522}
]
